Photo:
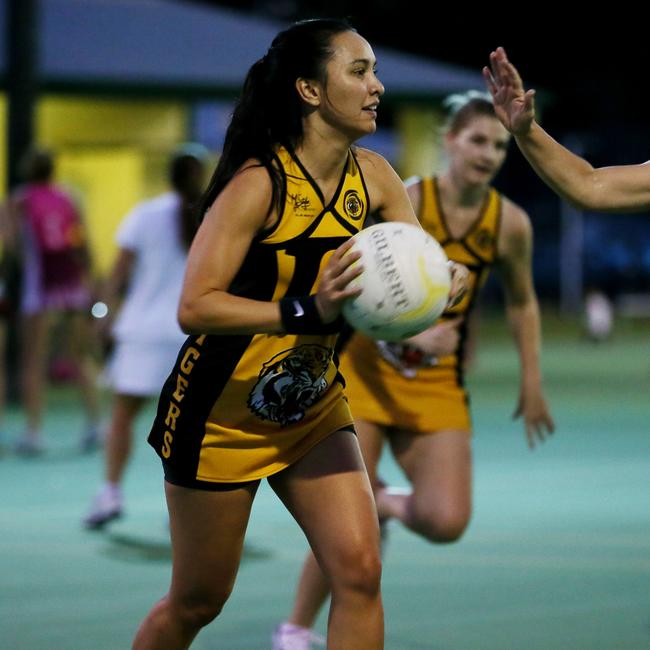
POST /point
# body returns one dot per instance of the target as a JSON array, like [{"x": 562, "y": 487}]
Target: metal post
[{"x": 22, "y": 80}]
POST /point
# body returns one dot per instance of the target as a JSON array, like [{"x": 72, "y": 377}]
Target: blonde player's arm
[
  {"x": 514, "y": 266},
  {"x": 610, "y": 189}
]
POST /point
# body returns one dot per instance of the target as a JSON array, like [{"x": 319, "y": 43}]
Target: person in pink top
[{"x": 55, "y": 281}]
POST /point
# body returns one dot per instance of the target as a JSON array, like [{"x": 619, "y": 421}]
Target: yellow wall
[
  {"x": 64, "y": 121},
  {"x": 420, "y": 135},
  {"x": 107, "y": 182},
  {"x": 112, "y": 154}
]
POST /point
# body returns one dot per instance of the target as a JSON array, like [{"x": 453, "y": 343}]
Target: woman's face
[
  {"x": 478, "y": 150},
  {"x": 351, "y": 91}
]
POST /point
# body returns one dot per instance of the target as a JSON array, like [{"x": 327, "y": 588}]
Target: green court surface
[{"x": 557, "y": 556}]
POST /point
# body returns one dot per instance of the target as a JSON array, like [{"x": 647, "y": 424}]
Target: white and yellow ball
[{"x": 405, "y": 282}]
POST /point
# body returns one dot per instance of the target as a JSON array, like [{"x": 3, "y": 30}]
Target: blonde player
[{"x": 412, "y": 394}]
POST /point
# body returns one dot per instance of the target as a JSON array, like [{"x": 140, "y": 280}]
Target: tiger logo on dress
[{"x": 290, "y": 383}]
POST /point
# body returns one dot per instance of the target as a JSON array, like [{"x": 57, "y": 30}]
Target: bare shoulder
[
  {"x": 246, "y": 198},
  {"x": 251, "y": 184},
  {"x": 372, "y": 163},
  {"x": 254, "y": 173},
  {"x": 377, "y": 171},
  {"x": 385, "y": 188}
]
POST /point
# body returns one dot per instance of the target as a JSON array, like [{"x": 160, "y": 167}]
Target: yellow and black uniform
[
  {"x": 424, "y": 395},
  {"x": 241, "y": 407}
]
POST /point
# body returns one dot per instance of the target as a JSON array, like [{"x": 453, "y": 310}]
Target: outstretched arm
[
  {"x": 514, "y": 266},
  {"x": 614, "y": 189}
]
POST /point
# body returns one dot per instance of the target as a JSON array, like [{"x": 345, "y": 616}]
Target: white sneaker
[
  {"x": 107, "y": 505},
  {"x": 294, "y": 637}
]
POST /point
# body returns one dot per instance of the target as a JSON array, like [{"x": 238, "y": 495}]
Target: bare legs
[
  {"x": 439, "y": 468},
  {"x": 34, "y": 357},
  {"x": 337, "y": 513},
  {"x": 34, "y": 364},
  {"x": 80, "y": 348},
  {"x": 119, "y": 438},
  {"x": 438, "y": 508},
  {"x": 328, "y": 493},
  {"x": 108, "y": 503},
  {"x": 207, "y": 532}
]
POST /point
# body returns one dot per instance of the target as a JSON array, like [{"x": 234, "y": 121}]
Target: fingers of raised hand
[
  {"x": 489, "y": 81},
  {"x": 529, "y": 100}
]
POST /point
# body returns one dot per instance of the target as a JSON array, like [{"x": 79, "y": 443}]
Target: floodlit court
[{"x": 557, "y": 555}]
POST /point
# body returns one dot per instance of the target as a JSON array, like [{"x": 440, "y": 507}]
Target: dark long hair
[
  {"x": 269, "y": 111},
  {"x": 186, "y": 174},
  {"x": 37, "y": 165}
]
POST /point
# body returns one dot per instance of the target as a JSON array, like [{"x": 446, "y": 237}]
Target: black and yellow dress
[
  {"x": 241, "y": 407},
  {"x": 426, "y": 395}
]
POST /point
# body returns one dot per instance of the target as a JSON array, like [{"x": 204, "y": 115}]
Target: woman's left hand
[
  {"x": 459, "y": 283},
  {"x": 538, "y": 422}
]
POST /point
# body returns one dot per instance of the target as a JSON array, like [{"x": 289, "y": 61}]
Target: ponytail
[
  {"x": 269, "y": 111},
  {"x": 186, "y": 173}
]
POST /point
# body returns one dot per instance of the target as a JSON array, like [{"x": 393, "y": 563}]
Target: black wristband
[{"x": 300, "y": 316}]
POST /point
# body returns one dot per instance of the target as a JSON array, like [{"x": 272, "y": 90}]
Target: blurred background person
[
  {"x": 55, "y": 284},
  {"x": 153, "y": 241},
  {"x": 598, "y": 315}
]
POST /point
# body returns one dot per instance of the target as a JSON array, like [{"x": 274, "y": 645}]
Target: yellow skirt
[{"x": 433, "y": 400}]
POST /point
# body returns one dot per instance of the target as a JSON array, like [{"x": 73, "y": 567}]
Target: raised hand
[{"x": 514, "y": 106}]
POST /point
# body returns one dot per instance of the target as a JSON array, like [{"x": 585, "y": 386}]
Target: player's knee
[
  {"x": 358, "y": 571},
  {"x": 197, "y": 611},
  {"x": 442, "y": 526}
]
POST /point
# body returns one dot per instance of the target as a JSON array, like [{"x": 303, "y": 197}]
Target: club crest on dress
[
  {"x": 353, "y": 204},
  {"x": 290, "y": 383}
]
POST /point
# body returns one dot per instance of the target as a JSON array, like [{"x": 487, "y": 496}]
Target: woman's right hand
[
  {"x": 459, "y": 283},
  {"x": 333, "y": 290},
  {"x": 514, "y": 106}
]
